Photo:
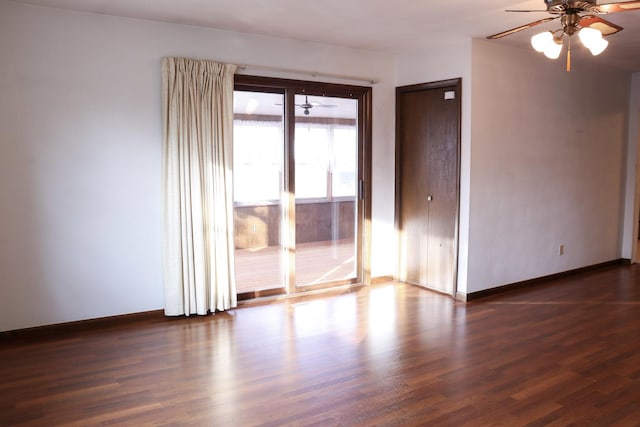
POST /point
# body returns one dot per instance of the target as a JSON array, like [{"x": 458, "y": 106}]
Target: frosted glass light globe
[
  {"x": 589, "y": 35},
  {"x": 598, "y": 47},
  {"x": 541, "y": 41},
  {"x": 553, "y": 50},
  {"x": 592, "y": 39}
]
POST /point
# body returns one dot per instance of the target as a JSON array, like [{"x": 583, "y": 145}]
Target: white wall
[
  {"x": 80, "y": 154},
  {"x": 450, "y": 61},
  {"x": 632, "y": 189},
  {"x": 547, "y": 165}
]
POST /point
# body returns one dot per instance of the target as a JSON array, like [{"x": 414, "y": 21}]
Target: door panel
[
  {"x": 414, "y": 107},
  {"x": 428, "y": 158},
  {"x": 258, "y": 154},
  {"x": 442, "y": 178},
  {"x": 326, "y": 175}
]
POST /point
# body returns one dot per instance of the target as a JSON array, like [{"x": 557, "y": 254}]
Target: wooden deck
[{"x": 316, "y": 262}]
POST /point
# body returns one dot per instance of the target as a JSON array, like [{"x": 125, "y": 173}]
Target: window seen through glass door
[{"x": 326, "y": 166}]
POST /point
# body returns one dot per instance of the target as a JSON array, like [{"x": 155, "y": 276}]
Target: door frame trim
[{"x": 401, "y": 90}]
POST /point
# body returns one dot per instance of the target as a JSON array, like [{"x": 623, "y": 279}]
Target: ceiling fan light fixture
[
  {"x": 592, "y": 39},
  {"x": 599, "y": 47},
  {"x": 252, "y": 106},
  {"x": 553, "y": 49},
  {"x": 589, "y": 35},
  {"x": 575, "y": 17},
  {"x": 541, "y": 40},
  {"x": 548, "y": 44}
]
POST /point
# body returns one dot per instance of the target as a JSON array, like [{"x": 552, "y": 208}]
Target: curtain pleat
[{"x": 198, "y": 250}]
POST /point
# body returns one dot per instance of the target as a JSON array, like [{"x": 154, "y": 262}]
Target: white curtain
[{"x": 198, "y": 249}]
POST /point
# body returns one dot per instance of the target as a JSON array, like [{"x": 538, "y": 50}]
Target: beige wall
[
  {"x": 547, "y": 164},
  {"x": 632, "y": 189},
  {"x": 80, "y": 154}
]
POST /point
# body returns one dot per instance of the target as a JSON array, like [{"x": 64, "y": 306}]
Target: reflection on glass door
[
  {"x": 326, "y": 186},
  {"x": 258, "y": 157}
]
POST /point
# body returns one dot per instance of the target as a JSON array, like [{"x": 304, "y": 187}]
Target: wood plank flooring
[{"x": 562, "y": 353}]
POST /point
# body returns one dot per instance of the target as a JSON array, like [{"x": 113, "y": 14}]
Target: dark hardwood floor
[{"x": 566, "y": 352}]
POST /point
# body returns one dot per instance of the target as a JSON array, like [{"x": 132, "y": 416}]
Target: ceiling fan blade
[
  {"x": 326, "y": 105},
  {"x": 522, "y": 27},
  {"x": 624, "y": 6},
  {"x": 606, "y": 28},
  {"x": 530, "y": 10}
]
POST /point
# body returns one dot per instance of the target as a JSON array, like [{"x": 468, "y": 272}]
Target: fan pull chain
[{"x": 569, "y": 56}]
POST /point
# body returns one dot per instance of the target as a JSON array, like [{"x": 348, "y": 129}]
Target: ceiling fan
[
  {"x": 309, "y": 105},
  {"x": 575, "y": 17}
]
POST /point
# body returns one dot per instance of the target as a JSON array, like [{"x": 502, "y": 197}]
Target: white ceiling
[{"x": 380, "y": 25}]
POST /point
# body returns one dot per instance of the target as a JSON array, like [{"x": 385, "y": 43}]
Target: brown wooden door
[{"x": 428, "y": 135}]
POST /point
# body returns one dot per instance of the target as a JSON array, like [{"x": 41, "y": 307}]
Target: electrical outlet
[{"x": 561, "y": 250}]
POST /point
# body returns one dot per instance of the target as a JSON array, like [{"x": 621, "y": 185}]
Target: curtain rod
[{"x": 306, "y": 73}]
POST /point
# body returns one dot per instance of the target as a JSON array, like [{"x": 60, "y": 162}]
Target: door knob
[{"x": 429, "y": 198}]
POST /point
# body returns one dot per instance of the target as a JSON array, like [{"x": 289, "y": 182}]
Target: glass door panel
[
  {"x": 326, "y": 187},
  {"x": 258, "y": 156}
]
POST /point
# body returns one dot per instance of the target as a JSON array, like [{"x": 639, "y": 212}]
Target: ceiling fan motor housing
[
  {"x": 570, "y": 23},
  {"x": 562, "y": 6}
]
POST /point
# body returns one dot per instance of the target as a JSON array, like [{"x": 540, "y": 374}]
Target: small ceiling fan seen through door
[{"x": 306, "y": 106}]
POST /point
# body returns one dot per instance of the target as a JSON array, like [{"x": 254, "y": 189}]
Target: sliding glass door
[
  {"x": 258, "y": 165},
  {"x": 301, "y": 174},
  {"x": 326, "y": 183}
]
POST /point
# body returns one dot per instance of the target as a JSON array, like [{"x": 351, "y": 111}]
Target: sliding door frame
[{"x": 363, "y": 95}]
